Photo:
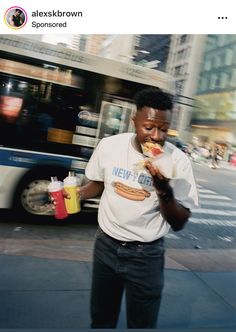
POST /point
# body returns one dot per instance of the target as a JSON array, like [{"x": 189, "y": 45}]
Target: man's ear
[{"x": 132, "y": 120}]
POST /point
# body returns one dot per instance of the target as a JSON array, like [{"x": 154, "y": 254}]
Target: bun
[{"x": 130, "y": 192}]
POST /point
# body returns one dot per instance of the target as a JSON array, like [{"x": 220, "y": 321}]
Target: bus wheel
[{"x": 31, "y": 197}]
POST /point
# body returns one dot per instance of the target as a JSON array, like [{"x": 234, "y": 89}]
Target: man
[
  {"x": 16, "y": 20},
  {"x": 129, "y": 249}
]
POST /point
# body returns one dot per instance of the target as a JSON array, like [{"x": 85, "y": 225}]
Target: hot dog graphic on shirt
[{"x": 131, "y": 193}]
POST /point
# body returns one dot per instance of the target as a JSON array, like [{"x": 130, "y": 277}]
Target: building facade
[
  {"x": 118, "y": 47},
  {"x": 152, "y": 51},
  {"x": 184, "y": 63},
  {"x": 215, "y": 118}
]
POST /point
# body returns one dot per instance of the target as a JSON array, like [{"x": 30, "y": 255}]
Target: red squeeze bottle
[{"x": 55, "y": 189}]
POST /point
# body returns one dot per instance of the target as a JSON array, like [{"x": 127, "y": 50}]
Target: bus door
[{"x": 114, "y": 118}]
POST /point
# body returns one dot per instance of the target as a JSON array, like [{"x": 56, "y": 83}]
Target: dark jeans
[{"x": 135, "y": 267}]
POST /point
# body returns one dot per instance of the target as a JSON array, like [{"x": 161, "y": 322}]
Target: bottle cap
[
  {"x": 54, "y": 185},
  {"x": 70, "y": 180}
]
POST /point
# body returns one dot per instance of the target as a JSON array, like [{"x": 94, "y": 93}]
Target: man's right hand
[{"x": 64, "y": 193}]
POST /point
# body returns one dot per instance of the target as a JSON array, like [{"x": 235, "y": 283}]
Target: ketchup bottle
[{"x": 55, "y": 189}]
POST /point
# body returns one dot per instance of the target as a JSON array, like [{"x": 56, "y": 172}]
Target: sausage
[{"x": 130, "y": 192}]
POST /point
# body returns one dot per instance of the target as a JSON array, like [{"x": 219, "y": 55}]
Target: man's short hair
[
  {"x": 18, "y": 10},
  {"x": 155, "y": 98}
]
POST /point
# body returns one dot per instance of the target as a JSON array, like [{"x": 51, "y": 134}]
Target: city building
[
  {"x": 215, "y": 118},
  {"x": 184, "y": 63},
  {"x": 85, "y": 43},
  {"x": 88, "y": 43},
  {"x": 118, "y": 47},
  {"x": 94, "y": 43},
  {"x": 152, "y": 51}
]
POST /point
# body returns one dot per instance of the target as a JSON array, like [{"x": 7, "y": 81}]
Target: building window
[
  {"x": 181, "y": 55},
  {"x": 223, "y": 80},
  {"x": 228, "y": 57},
  {"x": 221, "y": 40},
  {"x": 180, "y": 86},
  {"x": 222, "y": 59},
  {"x": 207, "y": 65},
  {"x": 228, "y": 39},
  {"x": 217, "y": 61},
  {"x": 233, "y": 38},
  {"x": 213, "y": 81},
  {"x": 233, "y": 78},
  {"x": 211, "y": 42},
  {"x": 179, "y": 70},
  {"x": 183, "y": 39},
  {"x": 82, "y": 43},
  {"x": 203, "y": 84},
  {"x": 234, "y": 54}
]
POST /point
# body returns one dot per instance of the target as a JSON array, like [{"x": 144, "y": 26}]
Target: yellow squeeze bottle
[{"x": 70, "y": 186}]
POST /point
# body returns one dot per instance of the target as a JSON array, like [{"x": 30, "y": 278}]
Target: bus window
[{"x": 114, "y": 119}]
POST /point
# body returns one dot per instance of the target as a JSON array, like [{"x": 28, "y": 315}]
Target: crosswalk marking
[
  {"x": 214, "y": 222},
  {"x": 206, "y": 191},
  {"x": 215, "y": 197},
  {"x": 202, "y": 180},
  {"x": 226, "y": 238},
  {"x": 172, "y": 236},
  {"x": 215, "y": 212},
  {"x": 218, "y": 204},
  {"x": 220, "y": 210},
  {"x": 208, "y": 198},
  {"x": 210, "y": 194}
]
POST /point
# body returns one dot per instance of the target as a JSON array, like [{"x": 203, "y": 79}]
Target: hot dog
[
  {"x": 151, "y": 149},
  {"x": 130, "y": 192}
]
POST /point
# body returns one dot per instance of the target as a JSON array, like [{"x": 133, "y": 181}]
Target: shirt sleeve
[
  {"x": 95, "y": 169},
  {"x": 183, "y": 183}
]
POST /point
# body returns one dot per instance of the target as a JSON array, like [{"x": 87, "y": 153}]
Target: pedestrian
[
  {"x": 137, "y": 209},
  {"x": 215, "y": 157},
  {"x": 15, "y": 19}
]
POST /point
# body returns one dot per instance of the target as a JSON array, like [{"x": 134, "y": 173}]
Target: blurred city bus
[{"x": 55, "y": 106}]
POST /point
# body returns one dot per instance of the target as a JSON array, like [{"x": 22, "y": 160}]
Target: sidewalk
[{"x": 43, "y": 286}]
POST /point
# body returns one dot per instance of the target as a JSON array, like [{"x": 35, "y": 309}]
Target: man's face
[{"x": 151, "y": 125}]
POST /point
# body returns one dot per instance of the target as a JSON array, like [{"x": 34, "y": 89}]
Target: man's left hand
[{"x": 161, "y": 183}]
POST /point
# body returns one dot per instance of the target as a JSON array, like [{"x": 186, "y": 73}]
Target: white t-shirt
[{"x": 114, "y": 162}]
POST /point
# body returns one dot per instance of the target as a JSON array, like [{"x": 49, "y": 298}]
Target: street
[
  {"x": 46, "y": 266},
  {"x": 213, "y": 224},
  {"x": 221, "y": 180}
]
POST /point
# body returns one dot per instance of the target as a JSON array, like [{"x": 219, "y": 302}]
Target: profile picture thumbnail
[{"x": 15, "y": 17}]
